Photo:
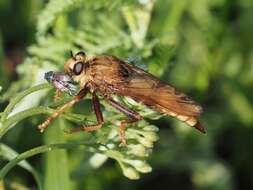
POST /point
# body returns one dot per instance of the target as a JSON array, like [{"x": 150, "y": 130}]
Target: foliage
[{"x": 201, "y": 46}]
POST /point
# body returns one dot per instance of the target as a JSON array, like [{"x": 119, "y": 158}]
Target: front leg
[
  {"x": 133, "y": 117},
  {"x": 57, "y": 95},
  {"x": 99, "y": 116},
  {"x": 62, "y": 109}
]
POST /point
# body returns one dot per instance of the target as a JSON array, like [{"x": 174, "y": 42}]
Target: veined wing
[{"x": 131, "y": 81}]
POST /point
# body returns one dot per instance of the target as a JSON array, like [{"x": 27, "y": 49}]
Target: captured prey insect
[
  {"x": 61, "y": 82},
  {"x": 110, "y": 76}
]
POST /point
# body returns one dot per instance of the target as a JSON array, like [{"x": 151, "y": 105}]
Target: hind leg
[{"x": 133, "y": 117}]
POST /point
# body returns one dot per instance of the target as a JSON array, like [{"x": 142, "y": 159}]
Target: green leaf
[
  {"x": 8, "y": 153},
  {"x": 138, "y": 20},
  {"x": 52, "y": 11}
]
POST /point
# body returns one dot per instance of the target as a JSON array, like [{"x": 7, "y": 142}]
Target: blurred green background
[{"x": 203, "y": 47}]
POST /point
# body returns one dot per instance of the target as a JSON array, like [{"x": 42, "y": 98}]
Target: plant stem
[
  {"x": 10, "y": 122},
  {"x": 42, "y": 149},
  {"x": 20, "y": 96}
]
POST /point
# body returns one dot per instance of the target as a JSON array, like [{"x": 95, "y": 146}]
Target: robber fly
[{"x": 108, "y": 76}]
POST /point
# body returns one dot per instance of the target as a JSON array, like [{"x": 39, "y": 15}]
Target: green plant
[
  {"x": 61, "y": 28},
  {"x": 203, "y": 47}
]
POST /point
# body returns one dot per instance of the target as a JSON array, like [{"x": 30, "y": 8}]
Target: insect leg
[
  {"x": 128, "y": 112},
  {"x": 134, "y": 117},
  {"x": 99, "y": 116},
  {"x": 122, "y": 129},
  {"x": 62, "y": 109},
  {"x": 97, "y": 109},
  {"x": 57, "y": 95}
]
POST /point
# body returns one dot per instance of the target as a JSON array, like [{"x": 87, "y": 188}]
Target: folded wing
[{"x": 131, "y": 81}]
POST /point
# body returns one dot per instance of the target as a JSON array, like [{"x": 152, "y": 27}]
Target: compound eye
[{"x": 78, "y": 68}]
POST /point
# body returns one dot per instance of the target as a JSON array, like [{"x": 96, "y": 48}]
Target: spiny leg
[
  {"x": 99, "y": 116},
  {"x": 62, "y": 109},
  {"x": 134, "y": 117}
]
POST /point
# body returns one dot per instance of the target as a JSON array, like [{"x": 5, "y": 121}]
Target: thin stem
[
  {"x": 10, "y": 122},
  {"x": 20, "y": 96},
  {"x": 46, "y": 148},
  {"x": 8, "y": 154}
]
